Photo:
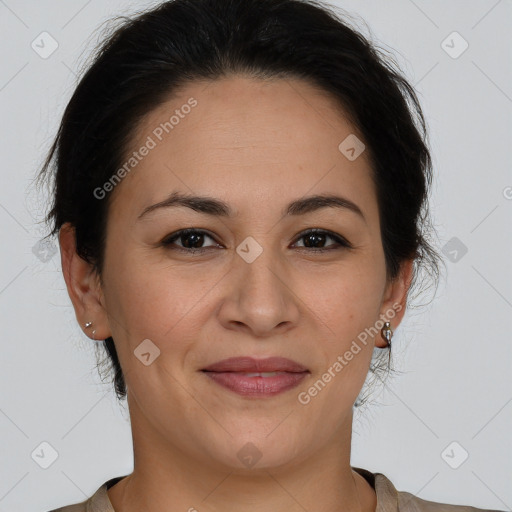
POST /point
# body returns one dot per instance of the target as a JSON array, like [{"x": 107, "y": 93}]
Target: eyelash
[{"x": 167, "y": 242}]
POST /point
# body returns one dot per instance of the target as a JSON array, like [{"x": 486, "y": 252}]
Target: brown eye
[
  {"x": 190, "y": 239},
  {"x": 316, "y": 238}
]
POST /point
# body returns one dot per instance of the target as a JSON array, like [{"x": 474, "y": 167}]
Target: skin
[{"x": 256, "y": 145}]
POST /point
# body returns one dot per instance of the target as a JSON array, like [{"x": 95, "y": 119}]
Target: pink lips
[{"x": 238, "y": 375}]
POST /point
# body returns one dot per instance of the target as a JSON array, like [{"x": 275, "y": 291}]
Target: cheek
[
  {"x": 348, "y": 306},
  {"x": 347, "y": 299},
  {"x": 152, "y": 298}
]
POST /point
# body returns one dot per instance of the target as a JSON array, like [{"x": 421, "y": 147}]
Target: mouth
[{"x": 256, "y": 378}]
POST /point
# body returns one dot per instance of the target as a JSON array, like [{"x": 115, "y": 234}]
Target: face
[{"x": 249, "y": 281}]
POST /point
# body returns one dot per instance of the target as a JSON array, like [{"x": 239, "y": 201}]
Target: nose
[{"x": 260, "y": 299}]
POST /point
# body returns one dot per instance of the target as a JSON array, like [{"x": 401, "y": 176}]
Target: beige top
[{"x": 388, "y": 499}]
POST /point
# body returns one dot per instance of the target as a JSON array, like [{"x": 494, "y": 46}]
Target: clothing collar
[{"x": 387, "y": 495}]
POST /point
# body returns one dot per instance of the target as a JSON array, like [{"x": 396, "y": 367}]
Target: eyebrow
[{"x": 216, "y": 207}]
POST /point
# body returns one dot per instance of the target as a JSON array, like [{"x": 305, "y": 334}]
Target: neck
[{"x": 167, "y": 479}]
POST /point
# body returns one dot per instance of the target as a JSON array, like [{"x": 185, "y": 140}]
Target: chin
[{"x": 262, "y": 449}]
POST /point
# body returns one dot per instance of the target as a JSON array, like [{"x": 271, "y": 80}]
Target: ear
[
  {"x": 395, "y": 299},
  {"x": 83, "y": 286}
]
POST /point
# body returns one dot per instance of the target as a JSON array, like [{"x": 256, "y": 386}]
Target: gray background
[{"x": 455, "y": 354}]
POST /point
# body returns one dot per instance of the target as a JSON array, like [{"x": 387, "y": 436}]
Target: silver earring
[
  {"x": 88, "y": 324},
  {"x": 387, "y": 333}
]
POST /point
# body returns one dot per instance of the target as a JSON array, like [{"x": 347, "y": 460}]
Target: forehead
[{"x": 244, "y": 139}]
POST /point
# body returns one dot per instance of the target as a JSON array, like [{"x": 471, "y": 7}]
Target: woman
[{"x": 240, "y": 197}]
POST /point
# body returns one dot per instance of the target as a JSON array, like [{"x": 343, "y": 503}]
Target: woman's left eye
[
  {"x": 319, "y": 236},
  {"x": 192, "y": 240}
]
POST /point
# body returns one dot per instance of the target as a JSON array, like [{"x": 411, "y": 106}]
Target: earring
[
  {"x": 387, "y": 333},
  {"x": 88, "y": 324}
]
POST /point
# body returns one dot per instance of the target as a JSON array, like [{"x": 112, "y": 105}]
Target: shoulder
[
  {"x": 407, "y": 502},
  {"x": 389, "y": 499},
  {"x": 77, "y": 507},
  {"x": 98, "y": 502}
]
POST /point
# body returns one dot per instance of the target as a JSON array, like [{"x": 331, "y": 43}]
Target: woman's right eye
[{"x": 191, "y": 240}]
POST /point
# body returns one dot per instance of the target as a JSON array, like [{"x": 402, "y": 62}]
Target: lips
[
  {"x": 251, "y": 365},
  {"x": 256, "y": 378}
]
